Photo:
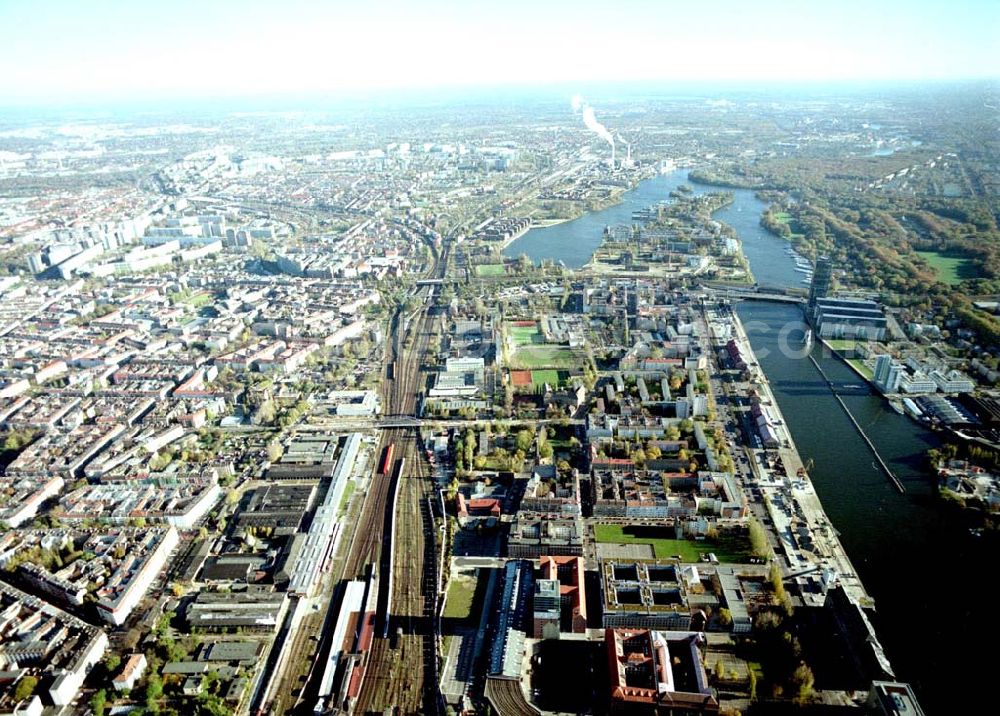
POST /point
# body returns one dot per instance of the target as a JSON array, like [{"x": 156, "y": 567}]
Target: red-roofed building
[
  {"x": 354, "y": 686},
  {"x": 483, "y": 507},
  {"x": 736, "y": 358},
  {"x": 609, "y": 463},
  {"x": 130, "y": 673},
  {"x": 572, "y": 590},
  {"x": 657, "y": 672}
]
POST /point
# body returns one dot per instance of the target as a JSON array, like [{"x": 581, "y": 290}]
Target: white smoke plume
[
  {"x": 594, "y": 126},
  {"x": 590, "y": 121}
]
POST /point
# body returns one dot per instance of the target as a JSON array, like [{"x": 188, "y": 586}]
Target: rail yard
[
  {"x": 402, "y": 669},
  {"x": 391, "y": 549}
]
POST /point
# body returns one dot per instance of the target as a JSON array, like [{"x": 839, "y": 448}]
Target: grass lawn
[
  {"x": 541, "y": 377},
  {"x": 546, "y": 356},
  {"x": 847, "y": 350},
  {"x": 864, "y": 370},
  {"x": 525, "y": 335},
  {"x": 200, "y": 299},
  {"x": 490, "y": 270},
  {"x": 847, "y": 345},
  {"x": 461, "y": 591},
  {"x": 783, "y": 217},
  {"x": 951, "y": 269},
  {"x": 727, "y": 549},
  {"x": 345, "y": 498}
]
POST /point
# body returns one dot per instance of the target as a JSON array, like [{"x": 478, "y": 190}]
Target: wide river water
[
  {"x": 928, "y": 574},
  {"x": 574, "y": 242}
]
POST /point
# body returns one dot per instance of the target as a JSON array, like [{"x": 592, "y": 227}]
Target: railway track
[
  {"x": 507, "y": 698},
  {"x": 399, "y": 396},
  {"x": 298, "y": 662},
  {"x": 402, "y": 669},
  {"x": 403, "y": 677},
  {"x": 304, "y": 646}
]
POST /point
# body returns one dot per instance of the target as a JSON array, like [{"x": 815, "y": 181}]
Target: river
[
  {"x": 574, "y": 242},
  {"x": 929, "y": 576},
  {"x": 915, "y": 555}
]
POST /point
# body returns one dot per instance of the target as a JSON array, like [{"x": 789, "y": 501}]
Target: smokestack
[
  {"x": 628, "y": 149},
  {"x": 612, "y": 155}
]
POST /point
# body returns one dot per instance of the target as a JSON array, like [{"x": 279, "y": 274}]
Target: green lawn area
[
  {"x": 461, "y": 591},
  {"x": 783, "y": 217},
  {"x": 547, "y": 375},
  {"x": 490, "y": 270},
  {"x": 846, "y": 345},
  {"x": 345, "y": 498},
  {"x": 195, "y": 300},
  {"x": 847, "y": 349},
  {"x": 727, "y": 549},
  {"x": 546, "y": 356},
  {"x": 859, "y": 366},
  {"x": 951, "y": 269},
  {"x": 525, "y": 335}
]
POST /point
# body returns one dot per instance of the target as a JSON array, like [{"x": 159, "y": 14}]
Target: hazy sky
[{"x": 65, "y": 50}]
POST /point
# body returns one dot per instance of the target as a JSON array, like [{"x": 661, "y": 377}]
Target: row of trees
[
  {"x": 779, "y": 652},
  {"x": 975, "y": 453},
  {"x": 524, "y": 439}
]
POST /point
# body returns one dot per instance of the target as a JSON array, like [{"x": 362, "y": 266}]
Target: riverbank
[
  {"x": 574, "y": 240},
  {"x": 890, "y": 536},
  {"x": 545, "y": 223},
  {"x": 857, "y": 426},
  {"x": 855, "y": 364},
  {"x": 514, "y": 237},
  {"x": 582, "y": 208},
  {"x": 688, "y": 213},
  {"x": 793, "y": 495},
  {"x": 702, "y": 176},
  {"x": 898, "y": 402}
]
